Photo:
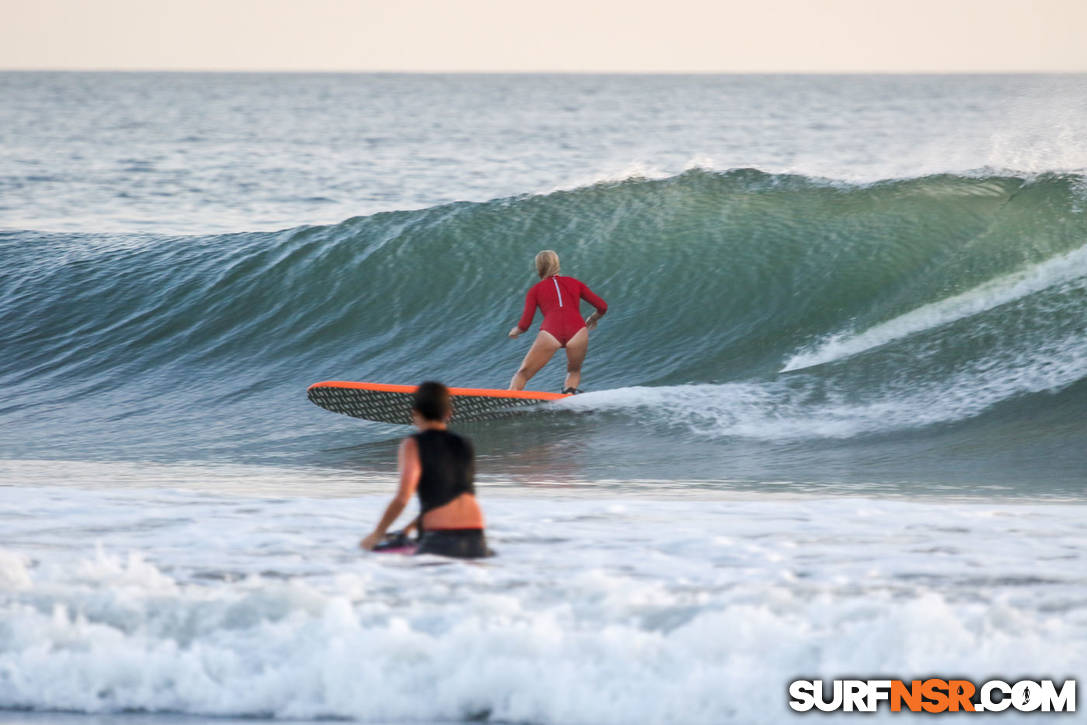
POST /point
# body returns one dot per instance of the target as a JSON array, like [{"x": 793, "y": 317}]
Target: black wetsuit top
[{"x": 448, "y": 467}]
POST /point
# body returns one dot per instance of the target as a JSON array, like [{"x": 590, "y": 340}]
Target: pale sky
[{"x": 546, "y": 35}]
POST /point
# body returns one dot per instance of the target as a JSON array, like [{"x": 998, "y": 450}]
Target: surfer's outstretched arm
[
  {"x": 527, "y": 315},
  {"x": 596, "y": 301},
  {"x": 410, "y": 471}
]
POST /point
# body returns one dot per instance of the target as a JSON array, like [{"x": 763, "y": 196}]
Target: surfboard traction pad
[{"x": 395, "y": 407}]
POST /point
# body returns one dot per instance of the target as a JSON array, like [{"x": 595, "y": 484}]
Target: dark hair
[{"x": 432, "y": 401}]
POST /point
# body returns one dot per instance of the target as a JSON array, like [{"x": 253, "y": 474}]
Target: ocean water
[{"x": 835, "y": 423}]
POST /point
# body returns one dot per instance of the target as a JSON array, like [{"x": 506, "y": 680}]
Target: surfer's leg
[
  {"x": 575, "y": 356},
  {"x": 538, "y": 355}
]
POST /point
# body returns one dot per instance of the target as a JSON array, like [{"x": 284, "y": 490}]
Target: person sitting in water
[
  {"x": 440, "y": 466},
  {"x": 560, "y": 300}
]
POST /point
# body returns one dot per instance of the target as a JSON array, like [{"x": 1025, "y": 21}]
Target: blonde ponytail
[{"x": 547, "y": 263}]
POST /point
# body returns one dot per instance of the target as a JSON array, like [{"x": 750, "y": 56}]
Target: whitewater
[{"x": 834, "y": 423}]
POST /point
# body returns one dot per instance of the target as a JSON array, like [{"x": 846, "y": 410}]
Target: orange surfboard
[{"x": 392, "y": 403}]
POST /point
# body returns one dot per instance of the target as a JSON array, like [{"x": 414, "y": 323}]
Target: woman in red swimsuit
[{"x": 559, "y": 298}]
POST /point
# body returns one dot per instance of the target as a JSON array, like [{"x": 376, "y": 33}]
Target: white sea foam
[
  {"x": 13, "y": 571},
  {"x": 614, "y": 174},
  {"x": 805, "y": 407},
  {"x": 643, "y": 610},
  {"x": 994, "y": 293}
]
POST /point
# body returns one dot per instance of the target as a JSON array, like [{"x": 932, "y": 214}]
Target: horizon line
[{"x": 362, "y": 71}]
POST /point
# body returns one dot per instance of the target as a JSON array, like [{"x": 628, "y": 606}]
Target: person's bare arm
[{"x": 410, "y": 471}]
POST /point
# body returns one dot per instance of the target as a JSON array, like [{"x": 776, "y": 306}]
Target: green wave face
[{"x": 746, "y": 309}]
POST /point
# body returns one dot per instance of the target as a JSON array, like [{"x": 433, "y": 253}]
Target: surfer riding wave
[{"x": 559, "y": 298}]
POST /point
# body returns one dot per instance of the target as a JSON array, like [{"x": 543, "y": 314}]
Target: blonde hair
[{"x": 547, "y": 263}]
